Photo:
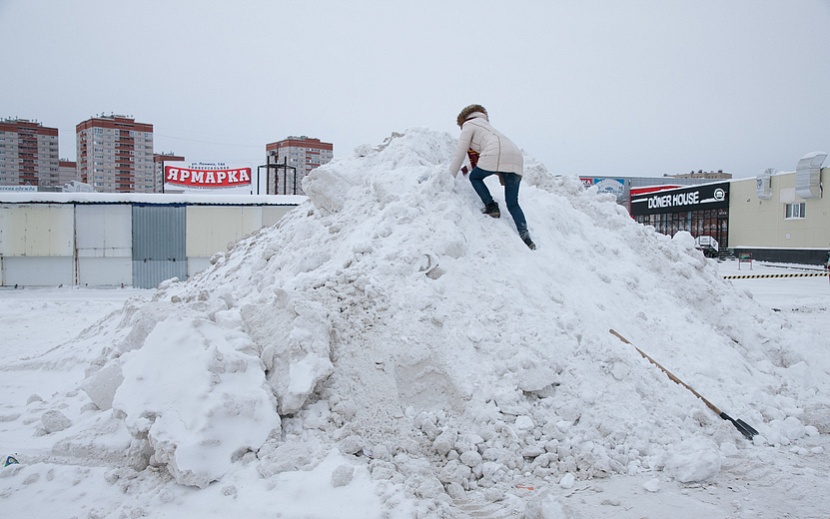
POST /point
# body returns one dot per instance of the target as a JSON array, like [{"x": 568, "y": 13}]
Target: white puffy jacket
[{"x": 496, "y": 152}]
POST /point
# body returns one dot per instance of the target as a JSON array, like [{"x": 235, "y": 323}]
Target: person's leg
[
  {"x": 477, "y": 176},
  {"x": 512, "y": 182}
]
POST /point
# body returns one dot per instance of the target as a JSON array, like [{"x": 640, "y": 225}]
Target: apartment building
[
  {"x": 158, "y": 165},
  {"x": 115, "y": 154},
  {"x": 67, "y": 171},
  {"x": 28, "y": 154},
  {"x": 294, "y": 158}
]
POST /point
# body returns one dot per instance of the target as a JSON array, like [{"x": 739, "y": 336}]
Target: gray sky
[{"x": 634, "y": 88}]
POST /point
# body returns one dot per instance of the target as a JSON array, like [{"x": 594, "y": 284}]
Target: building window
[{"x": 795, "y": 211}]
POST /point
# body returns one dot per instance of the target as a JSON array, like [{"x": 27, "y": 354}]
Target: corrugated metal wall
[
  {"x": 104, "y": 243},
  {"x": 272, "y": 214},
  {"x": 159, "y": 244},
  {"x": 36, "y": 244},
  {"x": 212, "y": 229},
  {"x": 111, "y": 244},
  {"x": 36, "y": 230}
]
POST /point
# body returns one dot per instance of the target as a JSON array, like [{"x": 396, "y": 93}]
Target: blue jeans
[{"x": 512, "y": 182}]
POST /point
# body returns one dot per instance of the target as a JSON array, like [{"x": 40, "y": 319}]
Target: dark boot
[
  {"x": 492, "y": 209},
  {"x": 526, "y": 238}
]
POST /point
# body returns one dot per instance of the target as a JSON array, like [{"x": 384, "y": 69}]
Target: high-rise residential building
[
  {"x": 115, "y": 154},
  {"x": 158, "y": 164},
  {"x": 67, "y": 171},
  {"x": 28, "y": 154},
  {"x": 294, "y": 158}
]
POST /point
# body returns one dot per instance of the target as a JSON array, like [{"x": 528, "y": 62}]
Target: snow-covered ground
[{"x": 388, "y": 351}]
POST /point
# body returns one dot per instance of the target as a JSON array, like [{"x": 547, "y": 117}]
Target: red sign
[
  {"x": 652, "y": 189},
  {"x": 207, "y": 177}
]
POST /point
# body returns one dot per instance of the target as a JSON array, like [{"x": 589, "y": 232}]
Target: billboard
[
  {"x": 704, "y": 196},
  {"x": 615, "y": 186},
  {"x": 201, "y": 177}
]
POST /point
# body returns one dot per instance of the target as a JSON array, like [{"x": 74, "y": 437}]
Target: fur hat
[{"x": 465, "y": 113}]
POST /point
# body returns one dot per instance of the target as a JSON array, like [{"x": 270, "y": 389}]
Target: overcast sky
[{"x": 630, "y": 88}]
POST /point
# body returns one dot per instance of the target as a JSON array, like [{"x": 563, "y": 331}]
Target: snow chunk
[
  {"x": 694, "y": 460},
  {"x": 792, "y": 428},
  {"x": 102, "y": 385},
  {"x": 294, "y": 337},
  {"x": 652, "y": 485},
  {"x": 567, "y": 481},
  {"x": 54, "y": 421},
  {"x": 204, "y": 404},
  {"x": 547, "y": 506},
  {"x": 327, "y": 189},
  {"x": 524, "y": 423},
  {"x": 342, "y": 476},
  {"x": 685, "y": 240}
]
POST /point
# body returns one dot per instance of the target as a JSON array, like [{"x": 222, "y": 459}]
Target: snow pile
[{"x": 389, "y": 320}]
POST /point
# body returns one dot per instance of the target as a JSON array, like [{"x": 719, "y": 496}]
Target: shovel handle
[
  {"x": 747, "y": 430},
  {"x": 674, "y": 379}
]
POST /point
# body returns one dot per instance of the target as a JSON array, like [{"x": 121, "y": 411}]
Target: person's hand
[{"x": 464, "y": 170}]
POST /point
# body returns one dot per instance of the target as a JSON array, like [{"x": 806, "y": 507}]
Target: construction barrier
[{"x": 760, "y": 276}]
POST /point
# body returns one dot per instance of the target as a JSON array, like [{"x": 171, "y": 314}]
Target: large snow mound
[{"x": 389, "y": 318}]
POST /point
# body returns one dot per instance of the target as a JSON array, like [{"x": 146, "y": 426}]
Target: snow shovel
[{"x": 747, "y": 430}]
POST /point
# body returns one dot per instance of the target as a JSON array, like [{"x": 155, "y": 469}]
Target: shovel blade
[{"x": 747, "y": 430}]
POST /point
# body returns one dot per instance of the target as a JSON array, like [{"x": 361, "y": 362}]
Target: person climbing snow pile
[{"x": 491, "y": 153}]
